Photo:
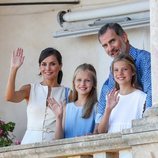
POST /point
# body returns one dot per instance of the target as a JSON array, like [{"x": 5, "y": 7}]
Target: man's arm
[{"x": 146, "y": 77}]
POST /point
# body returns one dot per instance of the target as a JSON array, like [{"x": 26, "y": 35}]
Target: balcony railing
[{"x": 141, "y": 141}]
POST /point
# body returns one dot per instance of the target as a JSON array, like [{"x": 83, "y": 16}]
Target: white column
[
  {"x": 107, "y": 155},
  {"x": 154, "y": 49},
  {"x": 125, "y": 154},
  {"x": 99, "y": 155}
]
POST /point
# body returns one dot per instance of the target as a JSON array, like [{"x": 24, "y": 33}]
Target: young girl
[
  {"x": 40, "y": 118},
  {"x": 126, "y": 102},
  {"x": 78, "y": 116}
]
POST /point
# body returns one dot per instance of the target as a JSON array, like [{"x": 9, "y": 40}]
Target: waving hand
[{"x": 17, "y": 58}]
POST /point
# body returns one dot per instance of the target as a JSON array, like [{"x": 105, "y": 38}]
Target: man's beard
[{"x": 123, "y": 48}]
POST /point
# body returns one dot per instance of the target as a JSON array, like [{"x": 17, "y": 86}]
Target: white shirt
[{"x": 129, "y": 107}]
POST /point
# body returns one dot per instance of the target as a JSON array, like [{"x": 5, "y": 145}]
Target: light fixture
[{"x": 90, "y": 21}]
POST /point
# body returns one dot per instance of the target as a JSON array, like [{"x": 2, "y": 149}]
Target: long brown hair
[
  {"x": 129, "y": 60},
  {"x": 92, "y": 97}
]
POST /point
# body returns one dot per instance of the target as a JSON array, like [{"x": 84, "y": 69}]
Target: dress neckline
[
  {"x": 128, "y": 93},
  {"x": 51, "y": 87}
]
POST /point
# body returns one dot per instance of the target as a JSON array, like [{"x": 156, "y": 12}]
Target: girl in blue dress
[{"x": 77, "y": 118}]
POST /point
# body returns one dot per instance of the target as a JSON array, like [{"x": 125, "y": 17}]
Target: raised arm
[
  {"x": 58, "y": 111},
  {"x": 112, "y": 100},
  {"x": 11, "y": 94},
  {"x": 106, "y": 88}
]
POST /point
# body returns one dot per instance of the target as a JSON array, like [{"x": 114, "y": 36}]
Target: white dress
[
  {"x": 40, "y": 118},
  {"x": 129, "y": 107}
]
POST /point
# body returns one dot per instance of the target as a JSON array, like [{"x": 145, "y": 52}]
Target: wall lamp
[
  {"x": 93, "y": 28},
  {"x": 87, "y": 22}
]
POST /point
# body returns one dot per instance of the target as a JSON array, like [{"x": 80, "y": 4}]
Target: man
[{"x": 115, "y": 41}]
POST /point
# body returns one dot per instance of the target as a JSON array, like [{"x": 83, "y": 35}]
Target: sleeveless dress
[
  {"x": 129, "y": 107},
  {"x": 40, "y": 118},
  {"x": 75, "y": 125}
]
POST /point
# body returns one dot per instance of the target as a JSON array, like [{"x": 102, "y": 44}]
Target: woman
[{"x": 41, "y": 119}]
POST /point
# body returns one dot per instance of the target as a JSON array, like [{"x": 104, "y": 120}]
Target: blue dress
[{"x": 75, "y": 125}]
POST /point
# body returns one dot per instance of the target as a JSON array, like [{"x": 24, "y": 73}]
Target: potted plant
[{"x": 6, "y": 135}]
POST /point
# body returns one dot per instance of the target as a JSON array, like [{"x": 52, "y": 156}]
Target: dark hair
[
  {"x": 92, "y": 97},
  {"x": 114, "y": 26},
  {"x": 48, "y": 52},
  {"x": 129, "y": 60}
]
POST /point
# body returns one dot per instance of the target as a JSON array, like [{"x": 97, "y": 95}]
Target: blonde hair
[{"x": 92, "y": 97}]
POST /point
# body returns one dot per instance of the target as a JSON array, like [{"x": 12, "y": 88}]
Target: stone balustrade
[{"x": 141, "y": 141}]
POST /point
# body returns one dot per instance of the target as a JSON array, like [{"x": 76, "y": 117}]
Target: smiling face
[
  {"x": 50, "y": 68},
  {"x": 123, "y": 73},
  {"x": 113, "y": 43},
  {"x": 83, "y": 82}
]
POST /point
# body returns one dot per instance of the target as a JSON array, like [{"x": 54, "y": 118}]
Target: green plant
[{"x": 6, "y": 136}]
